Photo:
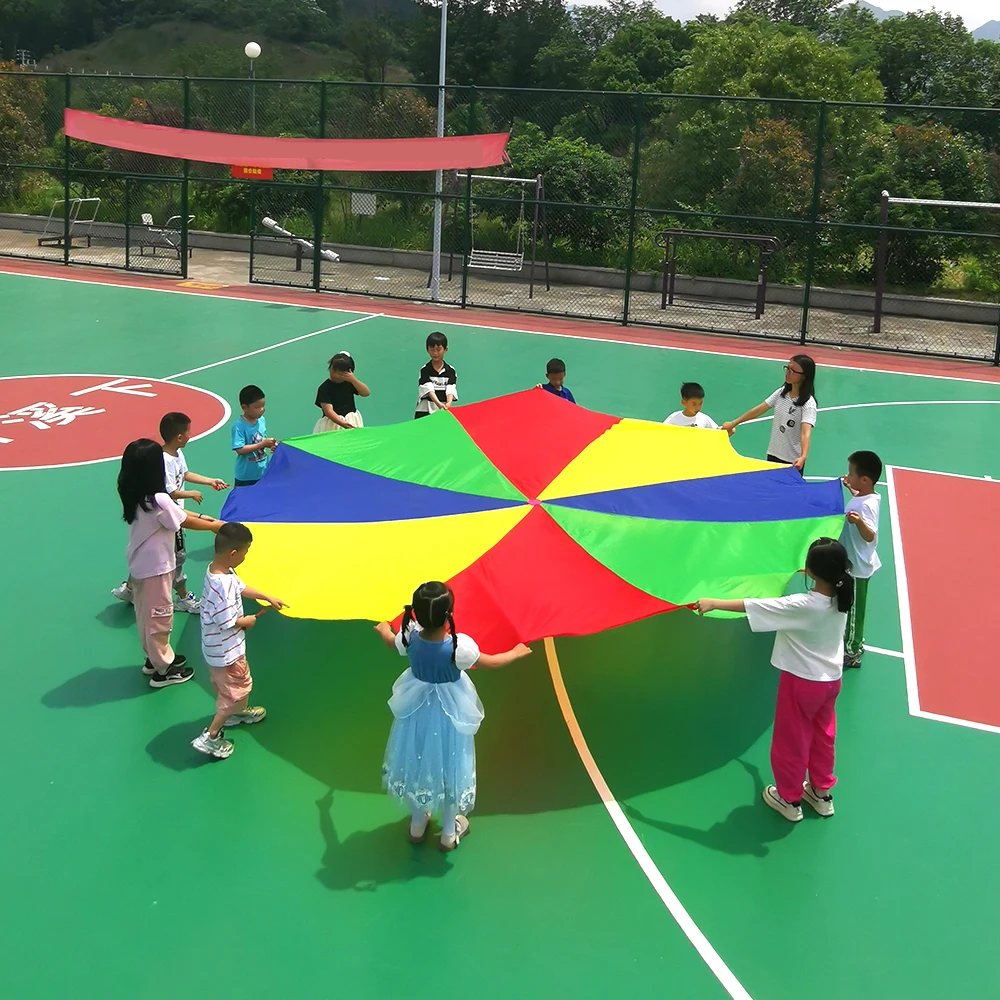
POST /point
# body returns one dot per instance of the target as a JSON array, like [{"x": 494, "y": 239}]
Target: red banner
[
  {"x": 464, "y": 152},
  {"x": 253, "y": 173}
]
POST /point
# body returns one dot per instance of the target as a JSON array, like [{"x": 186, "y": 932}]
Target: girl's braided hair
[{"x": 433, "y": 604}]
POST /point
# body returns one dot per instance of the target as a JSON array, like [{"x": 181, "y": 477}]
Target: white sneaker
[
  {"x": 822, "y": 802},
  {"x": 188, "y": 604},
  {"x": 219, "y": 747},
  {"x": 792, "y": 811},
  {"x": 248, "y": 717},
  {"x": 123, "y": 592}
]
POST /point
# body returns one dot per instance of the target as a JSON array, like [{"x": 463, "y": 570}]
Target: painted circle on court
[{"x": 50, "y": 421}]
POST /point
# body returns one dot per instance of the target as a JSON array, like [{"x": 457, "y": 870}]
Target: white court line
[
  {"x": 903, "y": 599},
  {"x": 508, "y": 329},
  {"x": 273, "y": 347},
  {"x": 966, "y": 723},
  {"x": 709, "y": 955},
  {"x": 879, "y": 651},
  {"x": 902, "y": 402}
]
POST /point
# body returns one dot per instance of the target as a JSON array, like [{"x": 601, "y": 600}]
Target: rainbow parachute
[{"x": 546, "y": 519}]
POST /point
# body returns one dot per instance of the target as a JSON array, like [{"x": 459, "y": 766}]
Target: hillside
[
  {"x": 178, "y": 48},
  {"x": 990, "y": 31}
]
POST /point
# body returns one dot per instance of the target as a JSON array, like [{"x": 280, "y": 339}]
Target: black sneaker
[
  {"x": 179, "y": 661},
  {"x": 852, "y": 663},
  {"x": 174, "y": 675}
]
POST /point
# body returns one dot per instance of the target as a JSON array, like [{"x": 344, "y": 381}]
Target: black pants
[{"x": 781, "y": 461}]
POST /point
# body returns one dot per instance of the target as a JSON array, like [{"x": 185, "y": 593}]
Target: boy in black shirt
[
  {"x": 335, "y": 397},
  {"x": 438, "y": 380}
]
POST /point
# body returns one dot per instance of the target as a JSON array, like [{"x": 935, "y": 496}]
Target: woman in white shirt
[
  {"x": 794, "y": 406},
  {"x": 809, "y": 652}
]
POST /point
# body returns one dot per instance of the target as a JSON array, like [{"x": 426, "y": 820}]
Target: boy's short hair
[
  {"x": 341, "y": 362},
  {"x": 232, "y": 536},
  {"x": 692, "y": 390},
  {"x": 555, "y": 367},
  {"x": 249, "y": 395},
  {"x": 867, "y": 464},
  {"x": 437, "y": 339},
  {"x": 172, "y": 424}
]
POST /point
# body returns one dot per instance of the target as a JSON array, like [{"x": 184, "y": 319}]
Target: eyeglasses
[{"x": 794, "y": 371}]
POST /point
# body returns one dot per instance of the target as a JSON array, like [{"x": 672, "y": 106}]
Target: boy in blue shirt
[
  {"x": 555, "y": 372},
  {"x": 250, "y": 440}
]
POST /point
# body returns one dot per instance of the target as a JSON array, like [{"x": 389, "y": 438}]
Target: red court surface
[
  {"x": 57, "y": 420},
  {"x": 947, "y": 546}
]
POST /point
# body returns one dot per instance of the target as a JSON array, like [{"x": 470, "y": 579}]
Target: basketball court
[{"x": 619, "y": 845}]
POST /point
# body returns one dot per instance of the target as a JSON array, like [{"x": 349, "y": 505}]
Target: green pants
[{"x": 854, "y": 637}]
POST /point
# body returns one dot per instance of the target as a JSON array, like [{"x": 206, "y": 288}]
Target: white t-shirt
[
  {"x": 864, "y": 559},
  {"x": 222, "y": 643},
  {"x": 786, "y": 429},
  {"x": 176, "y": 469},
  {"x": 466, "y": 653},
  {"x": 681, "y": 419},
  {"x": 809, "y": 640}
]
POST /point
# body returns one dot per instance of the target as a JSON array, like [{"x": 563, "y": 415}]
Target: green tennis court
[{"x": 135, "y": 868}]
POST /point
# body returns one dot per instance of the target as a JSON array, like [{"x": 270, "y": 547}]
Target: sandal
[
  {"x": 461, "y": 830},
  {"x": 419, "y": 838}
]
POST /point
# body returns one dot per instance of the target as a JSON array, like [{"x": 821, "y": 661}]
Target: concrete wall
[{"x": 718, "y": 289}]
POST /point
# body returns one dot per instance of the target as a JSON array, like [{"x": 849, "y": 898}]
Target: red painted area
[
  {"x": 569, "y": 592},
  {"x": 55, "y": 420},
  {"x": 708, "y": 343},
  {"x": 948, "y": 530},
  {"x": 528, "y": 459}
]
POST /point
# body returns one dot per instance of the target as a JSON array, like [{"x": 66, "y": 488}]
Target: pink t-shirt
[{"x": 151, "y": 538}]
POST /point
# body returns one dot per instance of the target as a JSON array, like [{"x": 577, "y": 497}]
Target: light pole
[
  {"x": 252, "y": 51},
  {"x": 438, "y": 176}
]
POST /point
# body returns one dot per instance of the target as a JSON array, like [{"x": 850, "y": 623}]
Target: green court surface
[{"x": 132, "y": 867}]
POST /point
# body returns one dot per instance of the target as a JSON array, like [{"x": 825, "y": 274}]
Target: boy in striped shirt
[{"x": 223, "y": 639}]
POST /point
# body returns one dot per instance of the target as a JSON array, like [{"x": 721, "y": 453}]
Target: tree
[
  {"x": 373, "y": 44},
  {"x": 641, "y": 54},
  {"x": 22, "y": 137},
  {"x": 810, "y": 14}
]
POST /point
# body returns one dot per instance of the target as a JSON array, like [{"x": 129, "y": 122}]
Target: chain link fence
[{"x": 759, "y": 217}]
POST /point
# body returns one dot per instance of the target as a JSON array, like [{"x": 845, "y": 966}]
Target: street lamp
[{"x": 252, "y": 51}]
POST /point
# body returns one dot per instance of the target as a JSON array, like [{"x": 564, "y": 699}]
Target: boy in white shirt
[
  {"x": 860, "y": 537},
  {"x": 692, "y": 399},
  {"x": 223, "y": 639}
]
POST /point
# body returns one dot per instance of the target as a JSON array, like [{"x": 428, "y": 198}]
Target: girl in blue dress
[{"x": 430, "y": 759}]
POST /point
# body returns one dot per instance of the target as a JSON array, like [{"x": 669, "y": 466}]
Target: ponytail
[
  {"x": 454, "y": 638},
  {"x": 827, "y": 561},
  {"x": 404, "y": 625}
]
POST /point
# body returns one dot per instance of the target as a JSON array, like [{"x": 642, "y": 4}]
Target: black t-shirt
[{"x": 340, "y": 395}]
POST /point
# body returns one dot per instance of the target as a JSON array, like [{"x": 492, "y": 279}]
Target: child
[
  {"x": 692, "y": 399},
  {"x": 223, "y": 639},
  {"x": 335, "y": 397},
  {"x": 438, "y": 380},
  {"x": 809, "y": 652},
  {"x": 249, "y": 438},
  {"x": 175, "y": 432},
  {"x": 794, "y": 414},
  {"x": 430, "y": 759},
  {"x": 153, "y": 522},
  {"x": 859, "y": 537},
  {"x": 555, "y": 372}
]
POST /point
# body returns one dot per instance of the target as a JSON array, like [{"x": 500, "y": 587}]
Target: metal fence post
[
  {"x": 880, "y": 258},
  {"x": 184, "y": 185},
  {"x": 128, "y": 222},
  {"x": 467, "y": 228},
  {"x": 633, "y": 201},
  {"x": 813, "y": 220},
  {"x": 319, "y": 210},
  {"x": 66, "y": 220}
]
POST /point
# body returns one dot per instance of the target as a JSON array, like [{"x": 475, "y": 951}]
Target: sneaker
[
  {"x": 852, "y": 662},
  {"x": 189, "y": 604},
  {"x": 174, "y": 675},
  {"x": 792, "y": 811},
  {"x": 123, "y": 592},
  {"x": 821, "y": 802},
  {"x": 148, "y": 669},
  {"x": 219, "y": 747},
  {"x": 247, "y": 717}
]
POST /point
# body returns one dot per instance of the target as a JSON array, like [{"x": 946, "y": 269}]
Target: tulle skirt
[
  {"x": 430, "y": 759},
  {"x": 325, "y": 424}
]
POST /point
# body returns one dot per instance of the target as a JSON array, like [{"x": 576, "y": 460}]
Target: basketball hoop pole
[{"x": 438, "y": 175}]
